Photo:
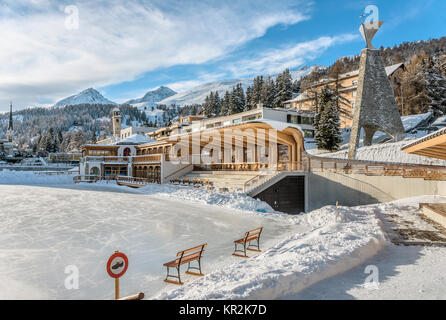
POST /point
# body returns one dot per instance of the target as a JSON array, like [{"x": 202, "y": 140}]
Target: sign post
[{"x": 116, "y": 267}]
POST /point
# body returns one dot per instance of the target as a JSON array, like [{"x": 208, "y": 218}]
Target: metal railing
[{"x": 258, "y": 180}]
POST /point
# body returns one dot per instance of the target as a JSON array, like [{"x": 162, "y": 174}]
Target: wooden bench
[
  {"x": 185, "y": 256},
  {"x": 246, "y": 240}
]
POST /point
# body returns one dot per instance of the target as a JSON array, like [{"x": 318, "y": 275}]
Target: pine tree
[
  {"x": 256, "y": 97},
  {"x": 327, "y": 126},
  {"x": 268, "y": 93},
  {"x": 248, "y": 105},
  {"x": 237, "y": 100},
  {"x": 225, "y": 104},
  {"x": 284, "y": 88},
  {"x": 216, "y": 105},
  {"x": 94, "y": 138}
]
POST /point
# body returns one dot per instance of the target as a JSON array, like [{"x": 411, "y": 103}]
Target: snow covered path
[
  {"x": 404, "y": 272},
  {"x": 45, "y": 229}
]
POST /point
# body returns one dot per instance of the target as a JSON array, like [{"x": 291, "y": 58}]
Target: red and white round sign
[{"x": 117, "y": 265}]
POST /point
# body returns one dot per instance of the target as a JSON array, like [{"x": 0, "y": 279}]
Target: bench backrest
[
  {"x": 195, "y": 252},
  {"x": 255, "y": 232}
]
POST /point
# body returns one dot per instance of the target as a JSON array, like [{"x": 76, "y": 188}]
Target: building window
[
  {"x": 283, "y": 152},
  {"x": 309, "y": 134},
  {"x": 355, "y": 83},
  {"x": 307, "y": 120},
  {"x": 236, "y": 120},
  {"x": 127, "y": 152}
]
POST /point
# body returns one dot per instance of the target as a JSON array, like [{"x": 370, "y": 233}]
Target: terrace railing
[
  {"x": 374, "y": 168},
  {"x": 148, "y": 158}
]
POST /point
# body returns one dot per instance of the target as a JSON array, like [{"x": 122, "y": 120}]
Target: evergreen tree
[
  {"x": 284, "y": 88},
  {"x": 208, "y": 105},
  {"x": 257, "y": 86},
  {"x": 248, "y": 105},
  {"x": 237, "y": 100},
  {"x": 216, "y": 105},
  {"x": 94, "y": 138},
  {"x": 327, "y": 125},
  {"x": 225, "y": 104},
  {"x": 268, "y": 93}
]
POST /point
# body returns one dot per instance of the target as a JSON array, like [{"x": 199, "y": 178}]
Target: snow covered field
[{"x": 48, "y": 223}]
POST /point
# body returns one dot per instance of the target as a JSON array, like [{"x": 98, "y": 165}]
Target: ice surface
[{"x": 50, "y": 226}]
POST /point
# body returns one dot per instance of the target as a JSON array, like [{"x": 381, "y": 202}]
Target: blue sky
[{"x": 123, "y": 49}]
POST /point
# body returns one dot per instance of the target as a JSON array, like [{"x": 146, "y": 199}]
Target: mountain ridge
[{"x": 87, "y": 96}]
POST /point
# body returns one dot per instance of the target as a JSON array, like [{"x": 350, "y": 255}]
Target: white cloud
[
  {"x": 276, "y": 60},
  {"x": 116, "y": 41}
]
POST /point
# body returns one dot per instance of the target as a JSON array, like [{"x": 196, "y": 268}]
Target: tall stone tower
[
  {"x": 10, "y": 131},
  {"x": 375, "y": 108},
  {"x": 116, "y": 119}
]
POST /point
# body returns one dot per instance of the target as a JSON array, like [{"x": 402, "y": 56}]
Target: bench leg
[
  {"x": 255, "y": 246},
  {"x": 236, "y": 250},
  {"x": 194, "y": 273},
  {"x": 169, "y": 275}
]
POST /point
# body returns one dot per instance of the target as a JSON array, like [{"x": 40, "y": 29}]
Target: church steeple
[
  {"x": 10, "y": 131},
  {"x": 10, "y": 127}
]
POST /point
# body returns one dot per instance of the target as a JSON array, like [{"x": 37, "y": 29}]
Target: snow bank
[
  {"x": 228, "y": 200},
  {"x": 295, "y": 263},
  {"x": 30, "y": 178}
]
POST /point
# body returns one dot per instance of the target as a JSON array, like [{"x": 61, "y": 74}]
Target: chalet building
[{"x": 347, "y": 87}]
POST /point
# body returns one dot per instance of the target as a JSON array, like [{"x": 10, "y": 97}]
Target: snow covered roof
[
  {"x": 389, "y": 71},
  {"x": 278, "y": 125},
  {"x": 300, "y": 97},
  {"x": 116, "y": 109},
  {"x": 136, "y": 139},
  {"x": 426, "y": 138},
  {"x": 441, "y": 121}
]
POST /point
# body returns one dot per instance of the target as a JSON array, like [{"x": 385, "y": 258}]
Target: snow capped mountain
[
  {"x": 88, "y": 96},
  {"x": 151, "y": 98},
  {"x": 198, "y": 94}
]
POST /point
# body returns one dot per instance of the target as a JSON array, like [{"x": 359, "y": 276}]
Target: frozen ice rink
[{"x": 45, "y": 229}]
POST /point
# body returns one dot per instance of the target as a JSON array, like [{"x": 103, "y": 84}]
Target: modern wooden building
[{"x": 249, "y": 146}]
